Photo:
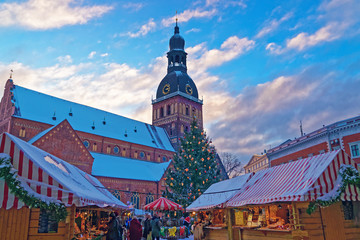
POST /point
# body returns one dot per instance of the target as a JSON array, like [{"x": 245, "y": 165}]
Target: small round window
[
  {"x": 142, "y": 154},
  {"x": 116, "y": 149},
  {"x": 164, "y": 159},
  {"x": 86, "y": 143}
]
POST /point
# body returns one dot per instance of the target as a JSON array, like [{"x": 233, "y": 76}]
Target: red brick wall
[
  {"x": 315, "y": 150},
  {"x": 103, "y": 143},
  {"x": 6, "y": 108},
  {"x": 132, "y": 186},
  {"x": 349, "y": 139},
  {"x": 63, "y": 142}
]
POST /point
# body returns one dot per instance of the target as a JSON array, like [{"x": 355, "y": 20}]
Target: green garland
[
  {"x": 349, "y": 176},
  {"x": 8, "y": 173}
]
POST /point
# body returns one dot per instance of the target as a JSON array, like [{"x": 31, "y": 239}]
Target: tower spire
[
  {"x": 11, "y": 73},
  {"x": 176, "y": 25}
]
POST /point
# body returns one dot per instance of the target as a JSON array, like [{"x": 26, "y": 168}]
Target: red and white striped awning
[
  {"x": 163, "y": 204},
  {"x": 301, "y": 180},
  {"x": 50, "y": 178}
]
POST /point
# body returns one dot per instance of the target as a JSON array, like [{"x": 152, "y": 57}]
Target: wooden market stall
[
  {"x": 274, "y": 203},
  {"x": 210, "y": 206},
  {"x": 46, "y": 180}
]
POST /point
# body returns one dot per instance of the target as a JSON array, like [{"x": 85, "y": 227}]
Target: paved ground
[{"x": 189, "y": 238}]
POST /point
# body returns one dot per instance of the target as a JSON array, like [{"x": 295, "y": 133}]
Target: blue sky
[{"x": 260, "y": 66}]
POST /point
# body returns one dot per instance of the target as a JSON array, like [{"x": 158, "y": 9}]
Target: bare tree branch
[{"x": 232, "y": 164}]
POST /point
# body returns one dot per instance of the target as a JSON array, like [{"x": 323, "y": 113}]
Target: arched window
[
  {"x": 149, "y": 198},
  {"x": 116, "y": 149},
  {"x": 161, "y": 112},
  {"x": 187, "y": 110},
  {"x": 117, "y": 194},
  {"x": 86, "y": 143},
  {"x": 22, "y": 132},
  {"x": 108, "y": 149},
  {"x": 168, "y": 110},
  {"x": 177, "y": 59},
  {"x": 94, "y": 147},
  {"x": 123, "y": 152},
  {"x": 135, "y": 199},
  {"x": 186, "y": 129}
]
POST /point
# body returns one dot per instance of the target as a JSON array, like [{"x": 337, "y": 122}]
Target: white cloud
[
  {"x": 187, "y": 15},
  {"x": 193, "y": 30},
  {"x": 91, "y": 55},
  {"x": 328, "y": 33},
  {"x": 65, "y": 59},
  {"x": 145, "y": 29},
  {"x": 338, "y": 18},
  {"x": 230, "y": 49},
  {"x": 226, "y": 3},
  {"x": 104, "y": 55},
  {"x": 45, "y": 14},
  {"x": 133, "y": 6},
  {"x": 273, "y": 48},
  {"x": 273, "y": 25}
]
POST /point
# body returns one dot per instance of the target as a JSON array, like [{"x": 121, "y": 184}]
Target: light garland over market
[
  {"x": 9, "y": 174},
  {"x": 348, "y": 175}
]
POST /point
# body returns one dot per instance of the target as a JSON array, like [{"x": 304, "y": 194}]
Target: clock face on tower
[
  {"x": 188, "y": 89},
  {"x": 166, "y": 89}
]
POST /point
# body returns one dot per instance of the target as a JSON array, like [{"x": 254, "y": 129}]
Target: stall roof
[
  {"x": 301, "y": 180},
  {"x": 120, "y": 167},
  {"x": 40, "y": 107},
  {"x": 50, "y": 178},
  {"x": 218, "y": 193}
]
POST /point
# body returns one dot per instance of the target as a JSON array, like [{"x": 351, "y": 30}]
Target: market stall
[
  {"x": 273, "y": 203},
  {"x": 171, "y": 230},
  {"x": 39, "y": 189},
  {"x": 313, "y": 198},
  {"x": 211, "y": 203}
]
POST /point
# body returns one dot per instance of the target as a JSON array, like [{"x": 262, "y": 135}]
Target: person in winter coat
[
  {"x": 135, "y": 229},
  {"x": 155, "y": 228},
  {"x": 113, "y": 228},
  {"x": 147, "y": 226}
]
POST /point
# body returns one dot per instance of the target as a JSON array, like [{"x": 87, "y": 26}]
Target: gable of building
[{"x": 63, "y": 142}]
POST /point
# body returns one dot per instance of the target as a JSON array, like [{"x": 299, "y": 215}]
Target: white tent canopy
[{"x": 218, "y": 193}]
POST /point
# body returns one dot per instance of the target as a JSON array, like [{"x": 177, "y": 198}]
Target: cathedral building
[
  {"x": 177, "y": 101},
  {"x": 128, "y": 157}
]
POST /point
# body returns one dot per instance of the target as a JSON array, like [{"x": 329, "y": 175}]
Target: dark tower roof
[{"x": 177, "y": 81}]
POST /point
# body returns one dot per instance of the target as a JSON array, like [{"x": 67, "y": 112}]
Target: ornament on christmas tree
[{"x": 186, "y": 169}]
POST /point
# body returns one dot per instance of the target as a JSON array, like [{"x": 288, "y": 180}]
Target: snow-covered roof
[
  {"x": 120, "y": 167},
  {"x": 68, "y": 184},
  {"x": 41, "y": 107},
  {"x": 218, "y": 193},
  {"x": 302, "y": 180}
]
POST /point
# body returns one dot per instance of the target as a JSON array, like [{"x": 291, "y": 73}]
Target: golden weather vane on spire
[
  {"x": 176, "y": 19},
  {"x": 11, "y": 73}
]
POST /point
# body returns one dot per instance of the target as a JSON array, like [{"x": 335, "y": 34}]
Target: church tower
[{"x": 177, "y": 100}]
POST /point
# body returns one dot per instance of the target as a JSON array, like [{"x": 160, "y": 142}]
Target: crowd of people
[{"x": 148, "y": 228}]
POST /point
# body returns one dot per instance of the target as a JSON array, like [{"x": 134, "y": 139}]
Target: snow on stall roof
[
  {"x": 41, "y": 107},
  {"x": 120, "y": 167},
  {"x": 77, "y": 181},
  {"x": 219, "y": 193},
  {"x": 284, "y": 181}
]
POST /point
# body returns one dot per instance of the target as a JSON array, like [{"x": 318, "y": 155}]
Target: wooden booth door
[{"x": 333, "y": 222}]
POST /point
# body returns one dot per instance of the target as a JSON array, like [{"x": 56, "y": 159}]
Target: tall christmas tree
[{"x": 194, "y": 168}]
